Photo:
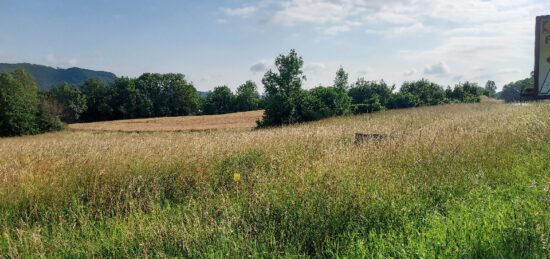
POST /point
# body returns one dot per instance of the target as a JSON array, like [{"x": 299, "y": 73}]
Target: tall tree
[
  {"x": 72, "y": 100},
  {"x": 491, "y": 89},
  {"x": 283, "y": 88},
  {"x": 18, "y": 104},
  {"x": 183, "y": 97},
  {"x": 219, "y": 101},
  {"x": 98, "y": 98},
  {"x": 341, "y": 80},
  {"x": 247, "y": 97}
]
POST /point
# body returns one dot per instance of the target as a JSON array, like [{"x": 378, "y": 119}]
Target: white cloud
[
  {"x": 336, "y": 29},
  {"x": 333, "y": 30},
  {"x": 401, "y": 31},
  {"x": 315, "y": 68},
  {"x": 261, "y": 66},
  {"x": 310, "y": 11},
  {"x": 53, "y": 60},
  {"x": 240, "y": 12},
  {"x": 72, "y": 61},
  {"x": 437, "y": 69},
  {"x": 410, "y": 72}
]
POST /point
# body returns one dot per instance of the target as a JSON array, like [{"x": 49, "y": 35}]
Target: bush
[
  {"x": 403, "y": 100},
  {"x": 323, "y": 102},
  {"x": 467, "y": 92},
  {"x": 426, "y": 92},
  {"x": 372, "y": 104}
]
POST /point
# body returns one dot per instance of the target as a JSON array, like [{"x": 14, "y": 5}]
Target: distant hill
[{"x": 47, "y": 77}]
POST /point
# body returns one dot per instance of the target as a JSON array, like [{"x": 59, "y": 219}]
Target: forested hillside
[{"x": 48, "y": 77}]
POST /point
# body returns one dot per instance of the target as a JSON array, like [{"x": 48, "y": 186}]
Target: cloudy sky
[{"x": 226, "y": 42}]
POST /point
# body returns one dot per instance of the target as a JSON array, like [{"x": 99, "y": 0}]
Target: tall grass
[{"x": 452, "y": 181}]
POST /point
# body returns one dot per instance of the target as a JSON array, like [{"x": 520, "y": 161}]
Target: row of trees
[
  {"x": 150, "y": 95},
  {"x": 512, "y": 91},
  {"x": 221, "y": 100},
  {"x": 286, "y": 102},
  {"x": 23, "y": 110}
]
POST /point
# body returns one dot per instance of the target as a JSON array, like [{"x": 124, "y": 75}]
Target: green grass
[{"x": 453, "y": 181}]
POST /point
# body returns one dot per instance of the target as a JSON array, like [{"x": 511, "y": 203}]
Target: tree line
[
  {"x": 286, "y": 102},
  {"x": 25, "y": 110},
  {"x": 150, "y": 95}
]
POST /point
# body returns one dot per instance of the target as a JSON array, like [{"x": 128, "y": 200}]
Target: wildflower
[{"x": 236, "y": 176}]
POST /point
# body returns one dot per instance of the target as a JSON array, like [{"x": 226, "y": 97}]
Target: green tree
[
  {"x": 128, "y": 101},
  {"x": 512, "y": 92},
  {"x": 72, "y": 100},
  {"x": 183, "y": 98},
  {"x": 362, "y": 94},
  {"x": 467, "y": 92},
  {"x": 166, "y": 95},
  {"x": 247, "y": 97},
  {"x": 219, "y": 101},
  {"x": 49, "y": 112},
  {"x": 98, "y": 98},
  {"x": 341, "y": 80},
  {"x": 18, "y": 104},
  {"x": 490, "y": 89},
  {"x": 283, "y": 89}
]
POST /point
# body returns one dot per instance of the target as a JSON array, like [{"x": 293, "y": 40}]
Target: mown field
[
  {"x": 469, "y": 180},
  {"x": 239, "y": 120}
]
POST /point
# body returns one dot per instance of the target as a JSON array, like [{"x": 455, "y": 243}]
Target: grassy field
[
  {"x": 469, "y": 180},
  {"x": 240, "y": 120}
]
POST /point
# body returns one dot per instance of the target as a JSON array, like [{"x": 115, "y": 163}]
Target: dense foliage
[
  {"x": 512, "y": 91},
  {"x": 222, "y": 100},
  {"x": 286, "y": 102},
  {"x": 22, "y": 110}
]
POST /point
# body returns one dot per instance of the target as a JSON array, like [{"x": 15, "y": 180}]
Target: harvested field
[{"x": 240, "y": 120}]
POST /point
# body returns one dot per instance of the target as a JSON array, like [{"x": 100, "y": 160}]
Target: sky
[{"x": 226, "y": 42}]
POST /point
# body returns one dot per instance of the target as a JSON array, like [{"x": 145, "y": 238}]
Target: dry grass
[
  {"x": 468, "y": 180},
  {"x": 240, "y": 120}
]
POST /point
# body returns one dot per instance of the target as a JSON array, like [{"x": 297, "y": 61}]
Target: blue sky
[{"x": 226, "y": 42}]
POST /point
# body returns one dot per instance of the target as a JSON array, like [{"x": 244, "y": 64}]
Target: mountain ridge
[{"x": 47, "y": 77}]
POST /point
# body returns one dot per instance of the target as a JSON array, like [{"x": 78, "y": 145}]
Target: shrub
[
  {"x": 426, "y": 92},
  {"x": 323, "y": 102}
]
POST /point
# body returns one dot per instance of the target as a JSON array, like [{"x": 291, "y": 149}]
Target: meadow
[{"x": 464, "y": 180}]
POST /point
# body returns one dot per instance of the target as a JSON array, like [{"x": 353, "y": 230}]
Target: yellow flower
[{"x": 236, "y": 176}]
